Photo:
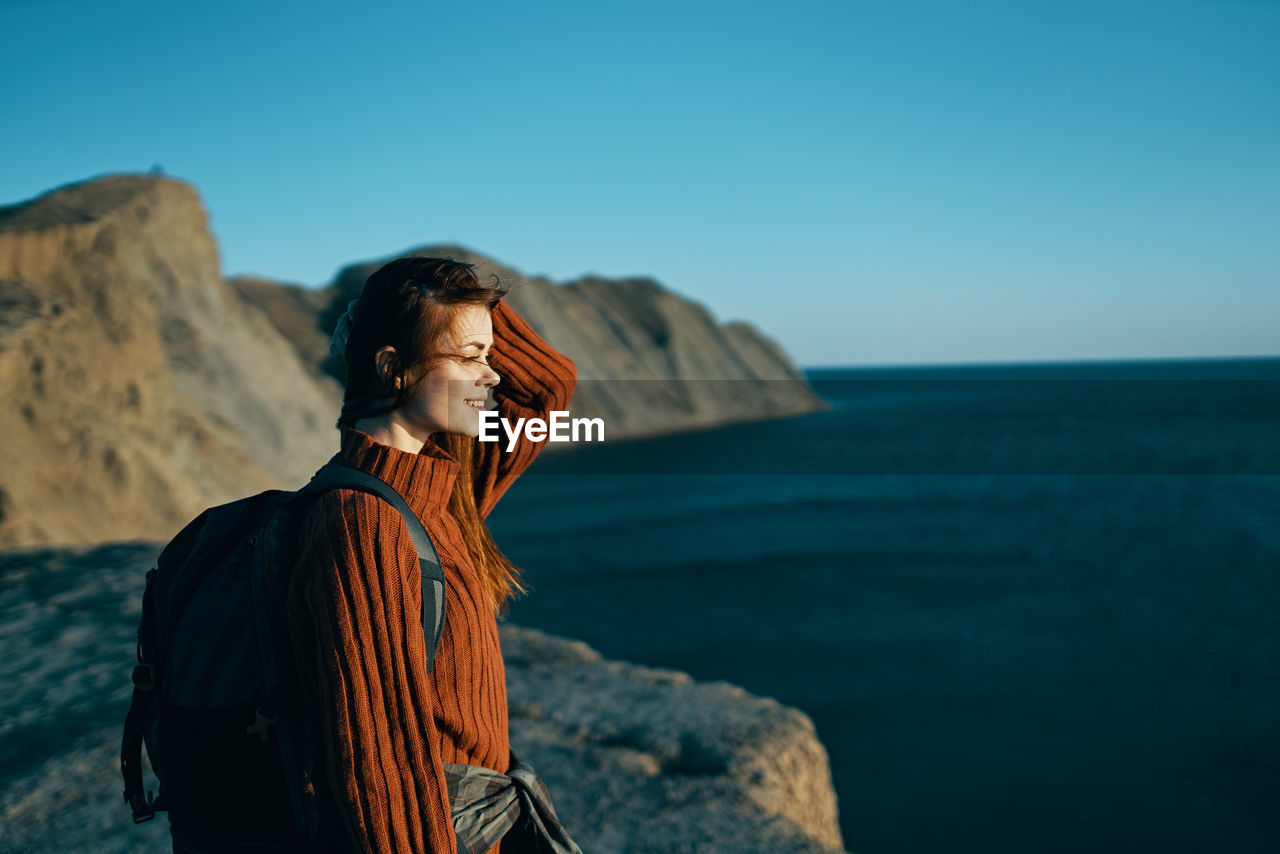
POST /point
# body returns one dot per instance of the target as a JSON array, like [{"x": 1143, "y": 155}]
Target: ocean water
[{"x": 1029, "y": 608}]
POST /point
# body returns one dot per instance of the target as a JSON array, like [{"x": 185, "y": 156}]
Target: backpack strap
[
  {"x": 141, "y": 714},
  {"x": 336, "y": 474}
]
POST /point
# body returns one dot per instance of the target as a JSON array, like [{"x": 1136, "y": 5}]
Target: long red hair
[{"x": 410, "y": 304}]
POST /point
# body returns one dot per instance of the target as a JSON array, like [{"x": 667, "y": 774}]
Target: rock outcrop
[
  {"x": 142, "y": 387},
  {"x": 649, "y": 361},
  {"x": 642, "y": 759},
  {"x": 636, "y": 759},
  {"x": 139, "y": 386}
]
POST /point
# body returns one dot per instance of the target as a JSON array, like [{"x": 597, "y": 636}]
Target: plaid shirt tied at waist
[{"x": 486, "y": 804}]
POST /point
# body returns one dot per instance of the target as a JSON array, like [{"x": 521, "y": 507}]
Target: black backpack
[{"x": 213, "y": 697}]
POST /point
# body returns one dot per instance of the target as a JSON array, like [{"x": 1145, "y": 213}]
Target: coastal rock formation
[
  {"x": 139, "y": 386},
  {"x": 649, "y": 361},
  {"x": 142, "y": 387},
  {"x": 642, "y": 759},
  {"x": 636, "y": 759}
]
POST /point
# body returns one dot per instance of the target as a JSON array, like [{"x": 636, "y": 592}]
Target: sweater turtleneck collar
[{"x": 424, "y": 479}]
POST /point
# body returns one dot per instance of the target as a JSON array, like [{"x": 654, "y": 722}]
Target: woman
[{"x": 427, "y": 347}]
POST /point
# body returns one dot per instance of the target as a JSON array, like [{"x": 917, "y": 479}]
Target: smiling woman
[
  {"x": 450, "y": 391},
  {"x": 401, "y": 743}
]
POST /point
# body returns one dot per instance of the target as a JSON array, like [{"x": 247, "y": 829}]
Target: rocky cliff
[
  {"x": 641, "y": 759},
  {"x": 649, "y": 361},
  {"x": 141, "y": 387},
  {"x": 636, "y": 759}
]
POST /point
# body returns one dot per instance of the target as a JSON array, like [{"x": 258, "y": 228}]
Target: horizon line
[{"x": 1010, "y": 363}]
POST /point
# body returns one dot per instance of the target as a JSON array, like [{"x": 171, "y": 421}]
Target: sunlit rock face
[
  {"x": 649, "y": 361},
  {"x": 141, "y": 387}
]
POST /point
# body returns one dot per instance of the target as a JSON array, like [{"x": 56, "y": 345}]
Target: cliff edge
[{"x": 636, "y": 759}]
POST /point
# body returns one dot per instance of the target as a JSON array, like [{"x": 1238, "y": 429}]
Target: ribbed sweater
[{"x": 355, "y": 600}]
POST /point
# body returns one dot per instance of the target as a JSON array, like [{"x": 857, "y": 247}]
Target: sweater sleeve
[
  {"x": 536, "y": 380},
  {"x": 356, "y": 593}
]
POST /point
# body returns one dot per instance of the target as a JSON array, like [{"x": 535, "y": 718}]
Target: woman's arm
[
  {"x": 535, "y": 381},
  {"x": 354, "y": 588}
]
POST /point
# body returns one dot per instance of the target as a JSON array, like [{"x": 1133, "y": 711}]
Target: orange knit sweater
[{"x": 355, "y": 614}]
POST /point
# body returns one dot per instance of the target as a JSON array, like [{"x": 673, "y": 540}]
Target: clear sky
[{"x": 869, "y": 182}]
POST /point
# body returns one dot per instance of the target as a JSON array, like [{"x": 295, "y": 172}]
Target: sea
[{"x": 1027, "y": 607}]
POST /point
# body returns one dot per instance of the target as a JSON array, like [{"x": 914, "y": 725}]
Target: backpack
[{"x": 213, "y": 698}]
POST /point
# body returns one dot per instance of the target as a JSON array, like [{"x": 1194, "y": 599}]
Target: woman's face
[{"x": 452, "y": 396}]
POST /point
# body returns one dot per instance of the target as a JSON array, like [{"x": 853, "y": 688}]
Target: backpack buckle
[
  {"x": 260, "y": 725},
  {"x": 144, "y": 677},
  {"x": 143, "y": 806}
]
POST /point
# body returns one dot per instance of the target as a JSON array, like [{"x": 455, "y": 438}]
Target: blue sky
[{"x": 869, "y": 182}]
